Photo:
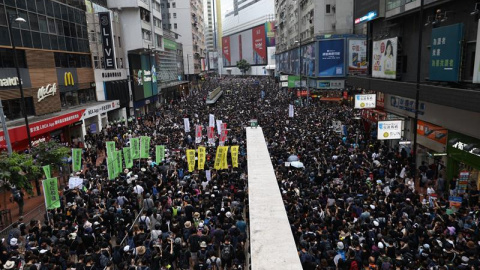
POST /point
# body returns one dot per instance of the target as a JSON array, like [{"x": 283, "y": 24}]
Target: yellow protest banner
[
  {"x": 234, "y": 155},
  {"x": 191, "y": 159},
  {"x": 218, "y": 158},
  {"x": 224, "y": 158},
  {"x": 201, "y": 157}
]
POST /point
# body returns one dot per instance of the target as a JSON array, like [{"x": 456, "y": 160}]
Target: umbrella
[
  {"x": 297, "y": 164},
  {"x": 293, "y": 158}
]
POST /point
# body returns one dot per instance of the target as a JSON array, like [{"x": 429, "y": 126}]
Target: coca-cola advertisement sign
[
  {"x": 259, "y": 48},
  {"x": 46, "y": 91}
]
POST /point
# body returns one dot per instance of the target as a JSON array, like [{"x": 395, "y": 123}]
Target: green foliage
[
  {"x": 243, "y": 65},
  {"x": 17, "y": 170},
  {"x": 50, "y": 153}
]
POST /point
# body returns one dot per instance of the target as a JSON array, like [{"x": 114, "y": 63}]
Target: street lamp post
[
  {"x": 11, "y": 17},
  {"x": 417, "y": 93}
]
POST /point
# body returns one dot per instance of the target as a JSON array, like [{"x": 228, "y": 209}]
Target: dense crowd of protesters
[{"x": 353, "y": 206}]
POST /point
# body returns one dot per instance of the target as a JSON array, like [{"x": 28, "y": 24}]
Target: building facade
[
  {"x": 248, "y": 33},
  {"x": 186, "y": 18},
  {"x": 55, "y": 69},
  {"x": 448, "y": 124},
  {"x": 141, "y": 20}
]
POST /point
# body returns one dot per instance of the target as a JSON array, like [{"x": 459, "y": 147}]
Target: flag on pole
[
  {"x": 135, "y": 145},
  {"x": 290, "y": 110},
  {"x": 47, "y": 171},
  {"x": 223, "y": 137},
  {"x": 110, "y": 148},
  {"x": 211, "y": 135},
  {"x": 234, "y": 154},
  {"x": 127, "y": 153},
  {"x": 191, "y": 159},
  {"x": 211, "y": 120},
  {"x": 224, "y": 158},
  {"x": 76, "y": 159},
  {"x": 144, "y": 146},
  {"x": 218, "y": 158},
  {"x": 186, "y": 124},
  {"x": 219, "y": 126},
  {"x": 111, "y": 168},
  {"x": 50, "y": 190},
  {"x": 118, "y": 162},
  {"x": 198, "y": 134},
  {"x": 159, "y": 153},
  {"x": 201, "y": 157}
]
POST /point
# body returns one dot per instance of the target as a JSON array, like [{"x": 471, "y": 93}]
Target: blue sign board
[
  {"x": 331, "y": 58},
  {"x": 445, "y": 53}
]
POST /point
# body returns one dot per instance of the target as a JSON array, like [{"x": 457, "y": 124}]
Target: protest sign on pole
[
  {"x": 224, "y": 158},
  {"x": 201, "y": 157},
  {"x": 211, "y": 120},
  {"x": 127, "y": 153},
  {"x": 76, "y": 159},
  {"x": 118, "y": 162},
  {"x": 111, "y": 168},
  {"x": 50, "y": 190},
  {"x": 290, "y": 111},
  {"x": 234, "y": 154},
  {"x": 47, "y": 171},
  {"x": 218, "y": 158},
  {"x": 191, "y": 159},
  {"x": 211, "y": 135},
  {"x": 219, "y": 127},
  {"x": 159, "y": 153},
  {"x": 198, "y": 134},
  {"x": 135, "y": 146},
  {"x": 110, "y": 148},
  {"x": 186, "y": 124},
  {"x": 144, "y": 146}
]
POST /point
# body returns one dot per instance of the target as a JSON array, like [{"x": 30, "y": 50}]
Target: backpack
[
  {"x": 202, "y": 255},
  {"x": 353, "y": 265},
  {"x": 142, "y": 221},
  {"x": 16, "y": 195},
  {"x": 117, "y": 256},
  {"x": 226, "y": 252},
  {"x": 104, "y": 260},
  {"x": 387, "y": 264},
  {"x": 154, "y": 191}
]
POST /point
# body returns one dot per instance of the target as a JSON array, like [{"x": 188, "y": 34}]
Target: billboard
[
  {"x": 212, "y": 60},
  {"x": 389, "y": 130},
  {"x": 331, "y": 58},
  {"x": 385, "y": 58},
  {"x": 445, "y": 54},
  {"x": 270, "y": 33},
  {"x": 144, "y": 74},
  {"x": 366, "y": 101},
  {"x": 308, "y": 60},
  {"x": 107, "y": 40},
  {"x": 433, "y": 132},
  {"x": 357, "y": 56},
  {"x": 227, "y": 59},
  {"x": 259, "y": 45},
  {"x": 250, "y": 45}
]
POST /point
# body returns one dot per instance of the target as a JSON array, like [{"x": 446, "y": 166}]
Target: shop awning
[{"x": 270, "y": 67}]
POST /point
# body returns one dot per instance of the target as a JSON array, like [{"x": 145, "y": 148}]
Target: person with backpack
[
  {"x": 383, "y": 261},
  {"x": 226, "y": 253},
  {"x": 202, "y": 254},
  {"x": 213, "y": 263},
  {"x": 17, "y": 195}
]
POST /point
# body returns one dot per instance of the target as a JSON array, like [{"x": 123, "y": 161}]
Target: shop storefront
[
  {"x": 99, "y": 116},
  {"x": 463, "y": 157}
]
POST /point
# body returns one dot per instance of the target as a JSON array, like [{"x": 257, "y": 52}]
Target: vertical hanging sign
[{"x": 107, "y": 40}]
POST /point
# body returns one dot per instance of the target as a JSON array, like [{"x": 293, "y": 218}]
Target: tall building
[
  {"x": 108, "y": 57},
  {"x": 303, "y": 20},
  {"x": 186, "y": 19},
  {"x": 141, "y": 20},
  {"x": 429, "y": 52},
  {"x": 248, "y": 33},
  {"x": 55, "y": 68},
  {"x": 210, "y": 26}
]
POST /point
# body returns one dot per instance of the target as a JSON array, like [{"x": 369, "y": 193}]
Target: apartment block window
[
  {"x": 169, "y": 15},
  {"x": 174, "y": 15},
  {"x": 120, "y": 63},
  {"x": 168, "y": 5},
  {"x": 328, "y": 9},
  {"x": 119, "y": 42},
  {"x": 170, "y": 26},
  {"x": 174, "y": 26},
  {"x": 144, "y": 15},
  {"x": 96, "y": 62},
  {"x": 173, "y": 5},
  {"x": 158, "y": 41},
  {"x": 146, "y": 35}
]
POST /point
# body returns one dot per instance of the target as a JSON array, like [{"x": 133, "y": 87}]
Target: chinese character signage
[
  {"x": 331, "y": 58},
  {"x": 50, "y": 188},
  {"x": 144, "y": 146},
  {"x": 365, "y": 101},
  {"x": 357, "y": 56},
  {"x": 445, "y": 53},
  {"x": 385, "y": 58},
  {"x": 389, "y": 130},
  {"x": 76, "y": 159},
  {"x": 159, "y": 153}
]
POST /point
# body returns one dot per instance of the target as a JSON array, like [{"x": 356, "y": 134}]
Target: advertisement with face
[
  {"x": 385, "y": 58},
  {"x": 331, "y": 58},
  {"x": 308, "y": 60},
  {"x": 357, "y": 56}
]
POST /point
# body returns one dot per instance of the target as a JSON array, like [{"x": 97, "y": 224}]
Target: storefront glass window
[
  {"x": 13, "y": 110},
  {"x": 75, "y": 98}
]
